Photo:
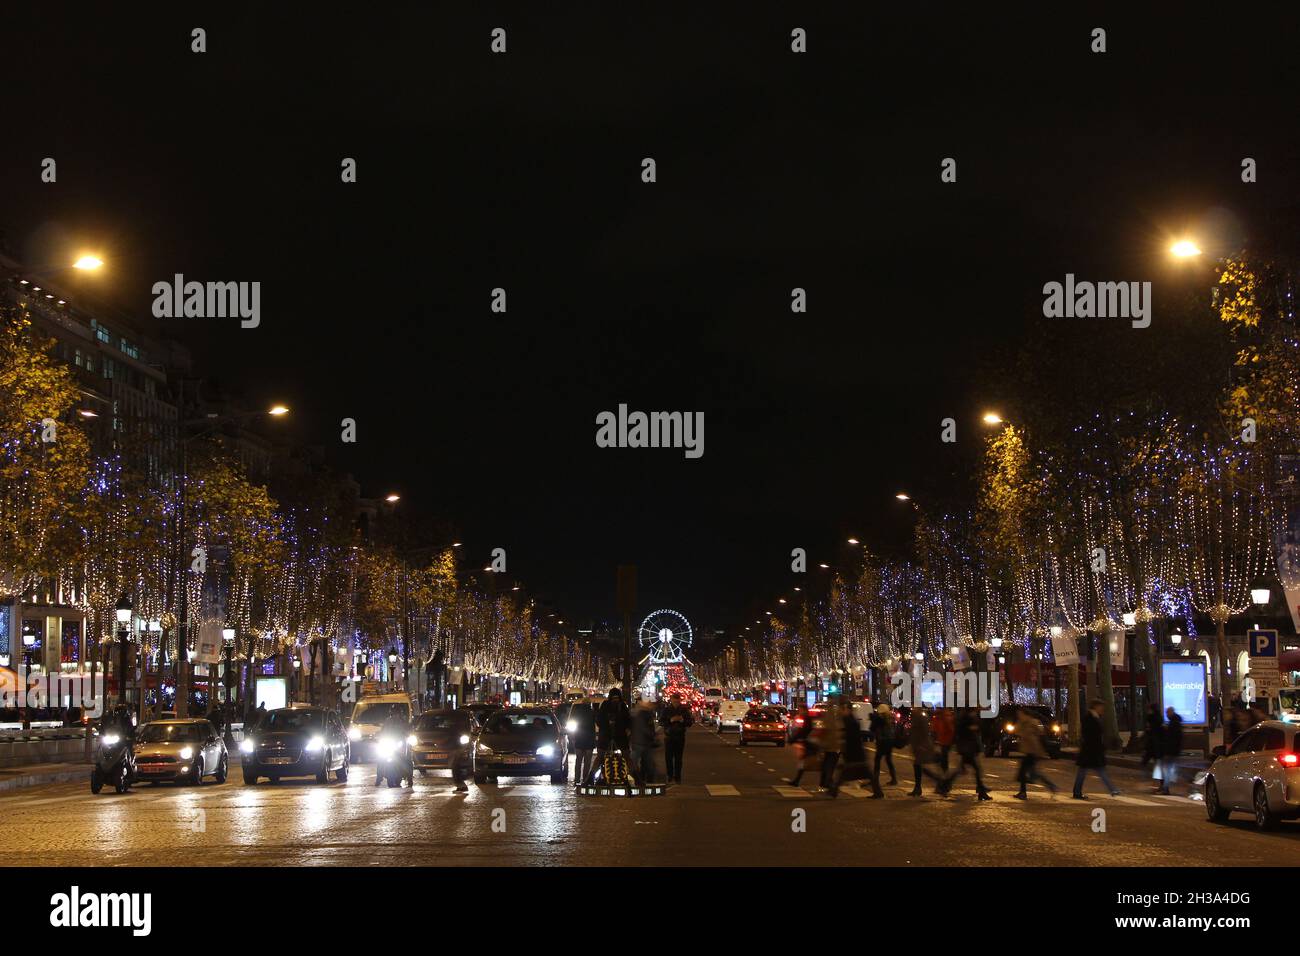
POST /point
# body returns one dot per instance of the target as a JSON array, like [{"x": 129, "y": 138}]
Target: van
[
  {"x": 730, "y": 714},
  {"x": 369, "y": 716}
]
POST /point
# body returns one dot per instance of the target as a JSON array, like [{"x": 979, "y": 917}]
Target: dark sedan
[
  {"x": 521, "y": 742},
  {"x": 296, "y": 742},
  {"x": 1007, "y": 741},
  {"x": 443, "y": 739}
]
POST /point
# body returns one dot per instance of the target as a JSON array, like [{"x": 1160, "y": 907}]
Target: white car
[{"x": 1258, "y": 773}]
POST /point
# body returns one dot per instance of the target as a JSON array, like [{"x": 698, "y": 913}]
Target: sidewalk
[{"x": 39, "y": 774}]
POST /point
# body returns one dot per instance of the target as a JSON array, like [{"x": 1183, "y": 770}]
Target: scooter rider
[{"x": 397, "y": 729}]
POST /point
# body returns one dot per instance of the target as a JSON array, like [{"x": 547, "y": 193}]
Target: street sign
[{"x": 1262, "y": 643}]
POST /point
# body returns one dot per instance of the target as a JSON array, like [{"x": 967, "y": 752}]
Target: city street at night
[
  {"x": 734, "y": 807},
  {"x": 513, "y": 467}
]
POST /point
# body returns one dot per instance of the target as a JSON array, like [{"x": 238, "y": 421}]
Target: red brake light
[{"x": 1288, "y": 760}]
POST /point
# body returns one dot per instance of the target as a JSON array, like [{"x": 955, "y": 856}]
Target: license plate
[
  {"x": 278, "y": 760},
  {"x": 515, "y": 759},
  {"x": 156, "y": 768},
  {"x": 435, "y": 755}
]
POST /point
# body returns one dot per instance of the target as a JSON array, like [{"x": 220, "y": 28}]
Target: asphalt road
[{"x": 733, "y": 809}]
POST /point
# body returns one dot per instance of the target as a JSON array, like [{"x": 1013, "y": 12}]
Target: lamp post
[
  {"x": 123, "y": 614},
  {"x": 392, "y": 666},
  {"x": 228, "y": 642},
  {"x": 1130, "y": 622}
]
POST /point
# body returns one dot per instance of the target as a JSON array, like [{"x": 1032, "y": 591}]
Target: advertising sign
[
  {"x": 1182, "y": 687},
  {"x": 271, "y": 691},
  {"x": 1064, "y": 650},
  {"x": 207, "y": 646}
]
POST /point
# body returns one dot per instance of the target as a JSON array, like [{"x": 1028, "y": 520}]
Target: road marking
[
  {"x": 1134, "y": 801},
  {"x": 721, "y": 790},
  {"x": 790, "y": 791},
  {"x": 856, "y": 792}
]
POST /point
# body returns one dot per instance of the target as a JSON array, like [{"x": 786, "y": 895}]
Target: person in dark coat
[
  {"x": 613, "y": 724},
  {"x": 675, "y": 718},
  {"x": 1171, "y": 747},
  {"x": 882, "y": 732},
  {"x": 968, "y": 740},
  {"x": 644, "y": 737},
  {"x": 852, "y": 764},
  {"x": 1152, "y": 747},
  {"x": 582, "y": 739},
  {"x": 1092, "y": 751},
  {"x": 924, "y": 754}
]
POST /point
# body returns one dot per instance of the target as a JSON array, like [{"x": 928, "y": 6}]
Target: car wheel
[
  {"x": 740, "y": 742},
  {"x": 1265, "y": 819},
  {"x": 1213, "y": 809},
  {"x": 780, "y": 743},
  {"x": 562, "y": 776},
  {"x": 197, "y": 778},
  {"x": 96, "y": 781},
  {"x": 323, "y": 775},
  {"x": 480, "y": 779},
  {"x": 423, "y": 772},
  {"x": 223, "y": 769},
  {"x": 342, "y": 773},
  {"x": 121, "y": 783},
  {"x": 250, "y": 778}
]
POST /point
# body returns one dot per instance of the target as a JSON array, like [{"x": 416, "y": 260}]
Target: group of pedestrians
[
  {"x": 599, "y": 731},
  {"x": 833, "y": 742},
  {"x": 1163, "y": 744}
]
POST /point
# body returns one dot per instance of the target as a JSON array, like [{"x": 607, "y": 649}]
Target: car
[
  {"x": 443, "y": 739},
  {"x": 1258, "y": 773},
  {"x": 521, "y": 742},
  {"x": 369, "y": 716},
  {"x": 1006, "y": 740},
  {"x": 296, "y": 742},
  {"x": 184, "y": 751},
  {"x": 762, "y": 724}
]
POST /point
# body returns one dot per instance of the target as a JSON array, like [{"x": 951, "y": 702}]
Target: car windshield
[
  {"x": 158, "y": 733},
  {"x": 761, "y": 715},
  {"x": 441, "y": 722},
  {"x": 287, "y": 721},
  {"x": 513, "y": 722},
  {"x": 379, "y": 713}
]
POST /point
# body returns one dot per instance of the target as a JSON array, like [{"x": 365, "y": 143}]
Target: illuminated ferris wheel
[{"x": 665, "y": 635}]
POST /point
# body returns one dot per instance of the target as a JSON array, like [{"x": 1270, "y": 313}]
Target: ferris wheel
[{"x": 666, "y": 635}]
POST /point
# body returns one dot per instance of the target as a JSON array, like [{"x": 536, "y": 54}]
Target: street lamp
[
  {"x": 228, "y": 640},
  {"x": 1184, "y": 249},
  {"x": 992, "y": 418},
  {"x": 123, "y": 615},
  {"x": 1260, "y": 596}
]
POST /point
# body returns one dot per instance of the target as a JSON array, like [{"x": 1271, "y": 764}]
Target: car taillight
[
  {"x": 749, "y": 726},
  {"x": 1288, "y": 760}
]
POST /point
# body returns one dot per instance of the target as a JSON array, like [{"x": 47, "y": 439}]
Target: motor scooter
[
  {"x": 393, "y": 760},
  {"x": 114, "y": 763}
]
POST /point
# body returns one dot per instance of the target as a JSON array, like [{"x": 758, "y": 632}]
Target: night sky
[{"x": 522, "y": 170}]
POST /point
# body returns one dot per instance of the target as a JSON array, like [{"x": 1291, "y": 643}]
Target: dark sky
[{"x": 522, "y": 171}]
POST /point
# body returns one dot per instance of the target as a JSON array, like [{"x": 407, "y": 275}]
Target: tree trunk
[
  {"x": 1222, "y": 691},
  {"x": 1072, "y": 706},
  {"x": 1141, "y": 654},
  {"x": 1106, "y": 689}
]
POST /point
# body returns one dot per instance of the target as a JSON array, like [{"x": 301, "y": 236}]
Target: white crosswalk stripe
[
  {"x": 721, "y": 790},
  {"x": 799, "y": 792}
]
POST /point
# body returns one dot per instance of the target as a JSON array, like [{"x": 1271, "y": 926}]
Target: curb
[{"x": 75, "y": 772}]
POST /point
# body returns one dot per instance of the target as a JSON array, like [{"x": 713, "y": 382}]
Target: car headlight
[
  {"x": 387, "y": 746},
  {"x": 187, "y": 753},
  {"x": 1056, "y": 728},
  {"x": 571, "y": 727},
  {"x": 1011, "y": 728},
  {"x": 410, "y": 740},
  {"x": 354, "y": 733},
  {"x": 246, "y": 746},
  {"x": 464, "y": 738},
  {"x": 315, "y": 744},
  {"x": 546, "y": 750},
  {"x": 109, "y": 739}
]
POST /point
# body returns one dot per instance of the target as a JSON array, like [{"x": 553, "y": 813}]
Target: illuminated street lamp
[
  {"x": 1184, "y": 249},
  {"x": 992, "y": 418},
  {"x": 1260, "y": 596},
  {"x": 88, "y": 263},
  {"x": 123, "y": 615}
]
